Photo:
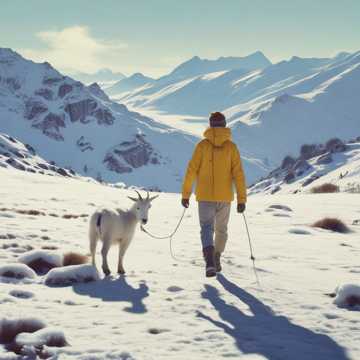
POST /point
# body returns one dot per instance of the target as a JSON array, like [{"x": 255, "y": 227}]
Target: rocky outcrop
[
  {"x": 131, "y": 155},
  {"x": 51, "y": 125},
  {"x": 78, "y": 111},
  {"x": 84, "y": 145},
  {"x": 64, "y": 89},
  {"x": 335, "y": 145},
  {"x": 47, "y": 94},
  {"x": 96, "y": 90},
  {"x": 33, "y": 109},
  {"x": 53, "y": 80},
  {"x": 104, "y": 117},
  {"x": 324, "y": 159},
  {"x": 11, "y": 83}
]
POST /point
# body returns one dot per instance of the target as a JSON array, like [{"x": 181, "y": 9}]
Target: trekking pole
[{"x": 252, "y": 257}]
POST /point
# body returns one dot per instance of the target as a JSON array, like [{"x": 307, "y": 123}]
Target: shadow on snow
[
  {"x": 109, "y": 289},
  {"x": 265, "y": 333}
]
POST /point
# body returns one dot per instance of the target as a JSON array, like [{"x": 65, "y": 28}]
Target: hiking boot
[
  {"x": 209, "y": 261},
  {"x": 217, "y": 262}
]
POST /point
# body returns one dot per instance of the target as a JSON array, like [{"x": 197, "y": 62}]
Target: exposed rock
[
  {"x": 96, "y": 90},
  {"x": 12, "y": 84},
  {"x": 62, "y": 172},
  {"x": 131, "y": 155},
  {"x": 308, "y": 151},
  {"x": 289, "y": 177},
  {"x": 16, "y": 164},
  {"x": 33, "y": 109},
  {"x": 104, "y": 116},
  {"x": 83, "y": 144},
  {"x": 113, "y": 163},
  {"x": 43, "y": 166},
  {"x": 335, "y": 145},
  {"x": 324, "y": 159},
  {"x": 51, "y": 126},
  {"x": 30, "y": 149},
  {"x": 287, "y": 162},
  {"x": 45, "y": 93},
  {"x": 301, "y": 164},
  {"x": 53, "y": 80},
  {"x": 78, "y": 111},
  {"x": 64, "y": 89},
  {"x": 311, "y": 179}
]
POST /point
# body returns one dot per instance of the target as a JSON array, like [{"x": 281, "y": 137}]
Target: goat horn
[
  {"x": 148, "y": 195},
  {"x": 140, "y": 197}
]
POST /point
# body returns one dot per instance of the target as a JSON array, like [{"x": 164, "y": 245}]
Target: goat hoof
[
  {"x": 121, "y": 272},
  {"x": 106, "y": 272}
]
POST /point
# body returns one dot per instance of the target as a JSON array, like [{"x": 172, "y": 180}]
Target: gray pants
[{"x": 214, "y": 216}]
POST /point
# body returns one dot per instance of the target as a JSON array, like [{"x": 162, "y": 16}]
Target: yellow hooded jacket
[{"x": 215, "y": 165}]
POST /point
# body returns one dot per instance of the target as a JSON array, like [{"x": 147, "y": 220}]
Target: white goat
[{"x": 117, "y": 227}]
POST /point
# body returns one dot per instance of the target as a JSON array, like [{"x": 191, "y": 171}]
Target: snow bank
[
  {"x": 10, "y": 328},
  {"x": 347, "y": 295},
  {"x": 41, "y": 261},
  {"x": 17, "y": 271},
  {"x": 71, "y": 274},
  {"x": 46, "y": 336}
]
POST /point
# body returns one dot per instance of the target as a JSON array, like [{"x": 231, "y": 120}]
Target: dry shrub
[
  {"x": 332, "y": 224},
  {"x": 41, "y": 266},
  {"x": 70, "y": 216},
  {"x": 10, "y": 328},
  {"x": 325, "y": 188},
  {"x": 72, "y": 258}
]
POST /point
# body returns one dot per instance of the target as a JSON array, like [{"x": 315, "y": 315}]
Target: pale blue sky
[{"x": 153, "y": 36}]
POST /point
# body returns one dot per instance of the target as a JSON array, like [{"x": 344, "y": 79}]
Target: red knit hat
[{"x": 217, "y": 119}]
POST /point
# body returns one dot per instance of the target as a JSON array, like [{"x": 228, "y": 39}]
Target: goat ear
[
  {"x": 153, "y": 198},
  {"x": 133, "y": 199}
]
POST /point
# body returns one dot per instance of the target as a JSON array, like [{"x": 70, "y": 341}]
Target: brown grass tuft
[
  {"x": 332, "y": 224},
  {"x": 325, "y": 188},
  {"x": 72, "y": 258},
  {"x": 41, "y": 266}
]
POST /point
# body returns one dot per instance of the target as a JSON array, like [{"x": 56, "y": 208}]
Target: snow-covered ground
[{"x": 164, "y": 309}]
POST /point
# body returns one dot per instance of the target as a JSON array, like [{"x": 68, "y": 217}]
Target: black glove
[
  {"x": 185, "y": 203},
  {"x": 241, "y": 208}
]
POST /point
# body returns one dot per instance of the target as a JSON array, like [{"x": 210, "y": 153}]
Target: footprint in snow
[
  {"x": 280, "y": 207},
  {"x": 298, "y": 231},
  {"x": 281, "y": 215},
  {"x": 174, "y": 288},
  {"x": 21, "y": 294},
  {"x": 156, "y": 331}
]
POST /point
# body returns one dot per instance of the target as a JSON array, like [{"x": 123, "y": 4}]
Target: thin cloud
[{"x": 74, "y": 49}]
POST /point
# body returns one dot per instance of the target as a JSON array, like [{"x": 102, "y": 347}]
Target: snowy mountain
[
  {"x": 310, "y": 110},
  {"x": 335, "y": 162},
  {"x": 130, "y": 83},
  {"x": 16, "y": 155},
  {"x": 197, "y": 66},
  {"x": 104, "y": 77},
  {"x": 272, "y": 111},
  {"x": 165, "y": 308},
  {"x": 79, "y": 127}
]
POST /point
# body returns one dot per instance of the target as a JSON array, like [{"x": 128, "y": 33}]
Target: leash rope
[
  {"x": 170, "y": 237},
  {"x": 193, "y": 261}
]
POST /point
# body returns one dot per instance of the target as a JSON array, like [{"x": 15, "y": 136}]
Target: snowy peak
[
  {"x": 197, "y": 66},
  {"x": 133, "y": 82},
  {"x": 102, "y": 76}
]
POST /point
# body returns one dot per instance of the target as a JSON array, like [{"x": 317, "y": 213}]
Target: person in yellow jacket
[{"x": 215, "y": 166}]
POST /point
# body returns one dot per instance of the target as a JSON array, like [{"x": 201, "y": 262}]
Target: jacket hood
[{"x": 218, "y": 135}]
